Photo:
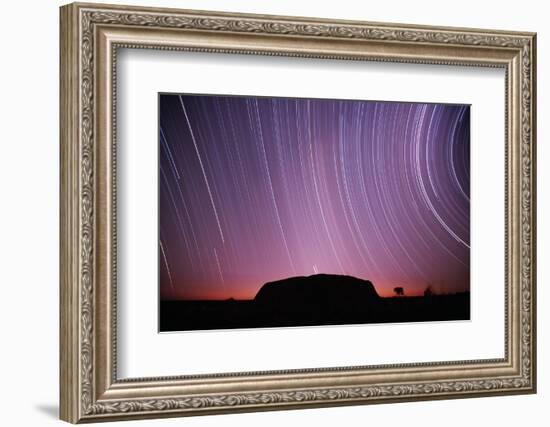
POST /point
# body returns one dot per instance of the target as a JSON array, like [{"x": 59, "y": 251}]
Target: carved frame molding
[{"x": 90, "y": 37}]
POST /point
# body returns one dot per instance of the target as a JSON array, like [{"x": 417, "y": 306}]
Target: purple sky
[{"x": 259, "y": 189}]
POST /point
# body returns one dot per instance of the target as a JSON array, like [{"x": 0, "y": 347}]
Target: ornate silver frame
[{"x": 90, "y": 36}]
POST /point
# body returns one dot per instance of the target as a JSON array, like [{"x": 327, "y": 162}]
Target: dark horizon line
[{"x": 252, "y": 299}]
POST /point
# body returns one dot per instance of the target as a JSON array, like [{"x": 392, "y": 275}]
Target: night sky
[{"x": 253, "y": 190}]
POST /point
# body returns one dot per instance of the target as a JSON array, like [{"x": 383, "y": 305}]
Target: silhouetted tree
[
  {"x": 428, "y": 292},
  {"x": 399, "y": 291}
]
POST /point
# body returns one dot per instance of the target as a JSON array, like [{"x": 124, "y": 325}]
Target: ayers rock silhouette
[{"x": 319, "y": 289}]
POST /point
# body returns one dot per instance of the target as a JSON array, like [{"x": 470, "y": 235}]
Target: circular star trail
[{"x": 253, "y": 190}]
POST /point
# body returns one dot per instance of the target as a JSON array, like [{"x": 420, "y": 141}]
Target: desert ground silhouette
[{"x": 321, "y": 299}]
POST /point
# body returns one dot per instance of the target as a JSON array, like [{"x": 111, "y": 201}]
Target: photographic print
[{"x": 281, "y": 212}]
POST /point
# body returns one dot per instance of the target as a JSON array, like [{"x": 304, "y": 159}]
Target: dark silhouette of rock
[{"x": 320, "y": 289}]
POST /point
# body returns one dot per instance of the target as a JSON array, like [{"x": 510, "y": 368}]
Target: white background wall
[{"x": 29, "y": 170}]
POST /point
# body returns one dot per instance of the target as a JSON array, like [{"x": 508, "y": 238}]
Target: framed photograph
[
  {"x": 281, "y": 212},
  {"x": 265, "y": 212}
]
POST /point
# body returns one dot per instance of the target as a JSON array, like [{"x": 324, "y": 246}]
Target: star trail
[{"x": 254, "y": 189}]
